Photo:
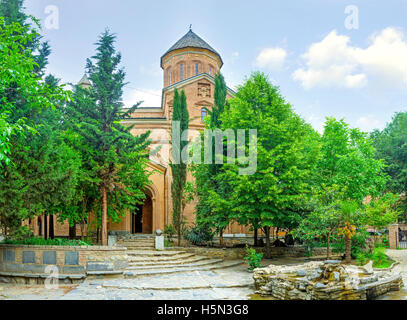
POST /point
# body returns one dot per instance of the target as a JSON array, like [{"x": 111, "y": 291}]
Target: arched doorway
[{"x": 142, "y": 219}]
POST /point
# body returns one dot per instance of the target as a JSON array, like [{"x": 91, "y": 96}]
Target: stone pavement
[
  {"x": 401, "y": 257},
  {"x": 220, "y": 284}
]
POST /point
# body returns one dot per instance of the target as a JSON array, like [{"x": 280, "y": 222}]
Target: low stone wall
[
  {"x": 28, "y": 264},
  {"x": 240, "y": 253}
]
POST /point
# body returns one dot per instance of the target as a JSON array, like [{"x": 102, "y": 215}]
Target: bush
[
  {"x": 378, "y": 256},
  {"x": 37, "y": 241},
  {"x": 198, "y": 235},
  {"x": 253, "y": 258},
  {"x": 169, "y": 231}
]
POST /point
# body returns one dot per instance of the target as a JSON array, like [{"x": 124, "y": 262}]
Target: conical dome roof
[{"x": 191, "y": 39}]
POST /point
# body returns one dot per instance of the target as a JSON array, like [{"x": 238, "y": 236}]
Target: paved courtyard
[{"x": 221, "y": 284}]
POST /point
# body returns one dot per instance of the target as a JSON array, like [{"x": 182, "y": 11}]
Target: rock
[
  {"x": 337, "y": 276},
  {"x": 368, "y": 267},
  {"x": 320, "y": 285},
  {"x": 301, "y": 273}
]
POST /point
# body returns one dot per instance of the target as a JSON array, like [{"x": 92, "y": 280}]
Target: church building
[{"x": 190, "y": 65}]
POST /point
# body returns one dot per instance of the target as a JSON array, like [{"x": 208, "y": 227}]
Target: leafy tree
[
  {"x": 391, "y": 145},
  {"x": 382, "y": 211},
  {"x": 180, "y": 123},
  {"x": 212, "y": 188},
  {"x": 28, "y": 104},
  {"x": 113, "y": 159},
  {"x": 348, "y": 163},
  {"x": 323, "y": 222},
  {"x": 287, "y": 149}
]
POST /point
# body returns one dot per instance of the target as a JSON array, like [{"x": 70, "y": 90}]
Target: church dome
[{"x": 191, "y": 40}]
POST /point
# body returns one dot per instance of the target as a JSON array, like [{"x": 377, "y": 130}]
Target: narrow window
[
  {"x": 169, "y": 76},
  {"x": 210, "y": 70},
  {"x": 182, "y": 71},
  {"x": 204, "y": 113},
  {"x": 196, "y": 68}
]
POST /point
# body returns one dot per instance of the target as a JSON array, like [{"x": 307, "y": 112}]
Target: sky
[{"x": 330, "y": 58}]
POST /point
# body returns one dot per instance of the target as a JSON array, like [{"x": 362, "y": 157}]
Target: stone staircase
[{"x": 144, "y": 260}]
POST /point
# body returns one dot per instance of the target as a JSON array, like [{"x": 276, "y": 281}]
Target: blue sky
[{"x": 323, "y": 67}]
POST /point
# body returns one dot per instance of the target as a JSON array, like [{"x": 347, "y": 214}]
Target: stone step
[
  {"x": 168, "y": 266},
  {"x": 140, "y": 248},
  {"x": 148, "y": 259},
  {"x": 153, "y": 253},
  {"x": 144, "y": 273},
  {"x": 166, "y": 261}
]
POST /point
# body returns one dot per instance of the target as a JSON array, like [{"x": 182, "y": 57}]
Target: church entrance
[{"x": 141, "y": 221}]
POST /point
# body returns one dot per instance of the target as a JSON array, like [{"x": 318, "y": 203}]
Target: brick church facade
[{"x": 189, "y": 65}]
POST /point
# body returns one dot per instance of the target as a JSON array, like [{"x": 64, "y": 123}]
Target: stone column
[{"x": 393, "y": 236}]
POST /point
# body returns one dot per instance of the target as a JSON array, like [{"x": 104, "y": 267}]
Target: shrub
[
  {"x": 378, "y": 256},
  {"x": 37, "y": 241},
  {"x": 169, "y": 231},
  {"x": 198, "y": 235},
  {"x": 253, "y": 258}
]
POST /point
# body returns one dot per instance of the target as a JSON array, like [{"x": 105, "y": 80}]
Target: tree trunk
[
  {"x": 327, "y": 246},
  {"x": 348, "y": 249},
  {"x": 255, "y": 237},
  {"x": 221, "y": 238},
  {"x": 104, "y": 215},
  {"x": 268, "y": 244},
  {"x": 51, "y": 227}
]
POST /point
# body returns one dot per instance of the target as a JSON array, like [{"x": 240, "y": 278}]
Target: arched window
[
  {"x": 210, "y": 71},
  {"x": 204, "y": 113},
  {"x": 169, "y": 76},
  {"x": 182, "y": 71},
  {"x": 196, "y": 68}
]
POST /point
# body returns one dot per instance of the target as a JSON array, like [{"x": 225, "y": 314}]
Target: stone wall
[
  {"x": 28, "y": 264},
  {"x": 240, "y": 253}
]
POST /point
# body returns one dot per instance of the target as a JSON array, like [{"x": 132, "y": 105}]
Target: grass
[{"x": 37, "y": 241}]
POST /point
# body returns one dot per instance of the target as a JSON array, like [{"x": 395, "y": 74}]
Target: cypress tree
[{"x": 180, "y": 123}]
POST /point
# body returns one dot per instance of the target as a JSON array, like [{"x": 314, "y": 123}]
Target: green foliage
[
  {"x": 212, "y": 188},
  {"x": 169, "y": 231},
  {"x": 287, "y": 150},
  {"x": 36, "y": 241},
  {"x": 381, "y": 212},
  {"x": 180, "y": 123},
  {"x": 358, "y": 245},
  {"x": 198, "y": 235},
  {"x": 253, "y": 258},
  {"x": 390, "y": 144},
  {"x": 114, "y": 160},
  {"x": 378, "y": 256}
]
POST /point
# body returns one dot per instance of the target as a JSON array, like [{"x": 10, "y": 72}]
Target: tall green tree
[
  {"x": 28, "y": 105},
  {"x": 348, "y": 162},
  {"x": 180, "y": 124},
  {"x": 391, "y": 146},
  {"x": 212, "y": 188},
  {"x": 115, "y": 160},
  {"x": 287, "y": 149}
]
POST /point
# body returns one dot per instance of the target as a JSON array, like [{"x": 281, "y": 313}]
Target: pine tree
[
  {"x": 180, "y": 120},
  {"x": 115, "y": 159}
]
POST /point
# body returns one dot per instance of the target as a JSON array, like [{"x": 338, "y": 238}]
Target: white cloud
[
  {"x": 271, "y": 58},
  {"x": 333, "y": 62},
  {"x": 151, "y": 98},
  {"x": 368, "y": 123}
]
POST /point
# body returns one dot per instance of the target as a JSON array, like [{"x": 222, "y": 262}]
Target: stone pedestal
[
  {"x": 159, "y": 243},
  {"x": 111, "y": 241}
]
